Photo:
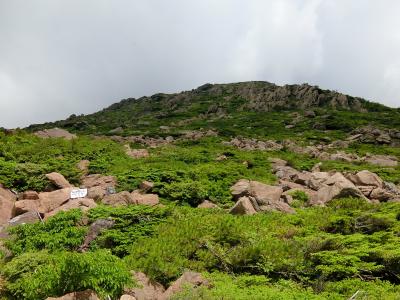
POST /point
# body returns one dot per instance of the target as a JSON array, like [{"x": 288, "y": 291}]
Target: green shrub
[
  {"x": 38, "y": 275},
  {"x": 131, "y": 223},
  {"x": 61, "y": 231}
]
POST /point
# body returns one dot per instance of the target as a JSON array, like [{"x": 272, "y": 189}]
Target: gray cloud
[{"x": 63, "y": 57}]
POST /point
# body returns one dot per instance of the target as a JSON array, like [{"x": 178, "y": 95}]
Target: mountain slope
[{"x": 225, "y": 103}]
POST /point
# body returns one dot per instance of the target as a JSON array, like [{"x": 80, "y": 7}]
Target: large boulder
[
  {"x": 243, "y": 206},
  {"x": 302, "y": 178},
  {"x": 55, "y": 133},
  {"x": 382, "y": 160},
  {"x": 240, "y": 188},
  {"x": 256, "y": 196},
  {"x": 381, "y": 195},
  {"x": 337, "y": 186},
  {"x": 122, "y": 198},
  {"x": 98, "y": 185},
  {"x": 25, "y": 218},
  {"x": 7, "y": 200},
  {"x": 147, "y": 289},
  {"x": 265, "y": 194},
  {"x": 285, "y": 172},
  {"x": 82, "y": 203},
  {"x": 52, "y": 200},
  {"x": 23, "y": 206},
  {"x": 144, "y": 199},
  {"x": 188, "y": 279},
  {"x": 30, "y": 195},
  {"x": 366, "y": 178},
  {"x": 317, "y": 179},
  {"x": 58, "y": 180}
]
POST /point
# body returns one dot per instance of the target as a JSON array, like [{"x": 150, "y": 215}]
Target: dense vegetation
[{"x": 328, "y": 252}]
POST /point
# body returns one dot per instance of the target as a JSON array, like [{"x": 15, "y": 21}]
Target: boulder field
[
  {"x": 32, "y": 206},
  {"x": 319, "y": 187}
]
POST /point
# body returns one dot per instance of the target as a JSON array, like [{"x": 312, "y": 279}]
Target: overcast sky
[{"x": 59, "y": 57}]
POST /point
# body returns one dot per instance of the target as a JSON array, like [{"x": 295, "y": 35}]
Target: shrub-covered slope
[
  {"x": 233, "y": 108},
  {"x": 209, "y": 139}
]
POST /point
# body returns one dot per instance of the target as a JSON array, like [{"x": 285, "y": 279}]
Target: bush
[
  {"x": 38, "y": 275},
  {"x": 61, "y": 231},
  {"x": 131, "y": 223}
]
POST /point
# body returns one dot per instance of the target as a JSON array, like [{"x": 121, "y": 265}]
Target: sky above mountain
[{"x": 70, "y": 56}]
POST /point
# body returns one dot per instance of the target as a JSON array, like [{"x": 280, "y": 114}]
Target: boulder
[
  {"x": 317, "y": 179},
  {"x": 98, "y": 185},
  {"x": 98, "y": 180},
  {"x": 26, "y": 218},
  {"x": 243, "y": 207},
  {"x": 288, "y": 185},
  {"x": 257, "y": 196},
  {"x": 146, "y": 186},
  {"x": 286, "y": 172},
  {"x": 147, "y": 289},
  {"x": 337, "y": 186},
  {"x": 391, "y": 187},
  {"x": 122, "y": 198},
  {"x": 302, "y": 178},
  {"x": 366, "y": 178},
  {"x": 144, "y": 199},
  {"x": 58, "y": 180},
  {"x": 188, "y": 279},
  {"x": 366, "y": 190},
  {"x": 381, "y": 194},
  {"x": 55, "y": 133},
  {"x": 52, "y": 200},
  {"x": 265, "y": 194},
  {"x": 207, "y": 204},
  {"x": 384, "y": 139},
  {"x": 23, "y": 206},
  {"x": 240, "y": 188},
  {"x": 83, "y": 295},
  {"x": 277, "y": 162},
  {"x": 82, "y": 203},
  {"x": 30, "y": 195},
  {"x": 382, "y": 160},
  {"x": 7, "y": 200}
]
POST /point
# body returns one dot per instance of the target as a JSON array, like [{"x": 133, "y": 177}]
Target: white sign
[{"x": 78, "y": 193}]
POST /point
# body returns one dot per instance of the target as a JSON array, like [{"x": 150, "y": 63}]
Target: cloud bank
[{"x": 69, "y": 56}]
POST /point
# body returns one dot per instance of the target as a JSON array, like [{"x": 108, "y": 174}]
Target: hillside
[
  {"x": 229, "y": 106},
  {"x": 229, "y": 191}
]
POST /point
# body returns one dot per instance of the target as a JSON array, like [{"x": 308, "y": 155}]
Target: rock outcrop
[
  {"x": 55, "y": 133},
  {"x": 7, "y": 200},
  {"x": 58, "y": 180},
  {"x": 255, "y": 196}
]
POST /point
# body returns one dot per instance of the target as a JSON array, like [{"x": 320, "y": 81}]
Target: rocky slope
[
  {"x": 233, "y": 191},
  {"x": 211, "y": 101}
]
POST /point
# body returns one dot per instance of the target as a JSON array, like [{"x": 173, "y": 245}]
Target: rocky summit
[{"x": 229, "y": 191}]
